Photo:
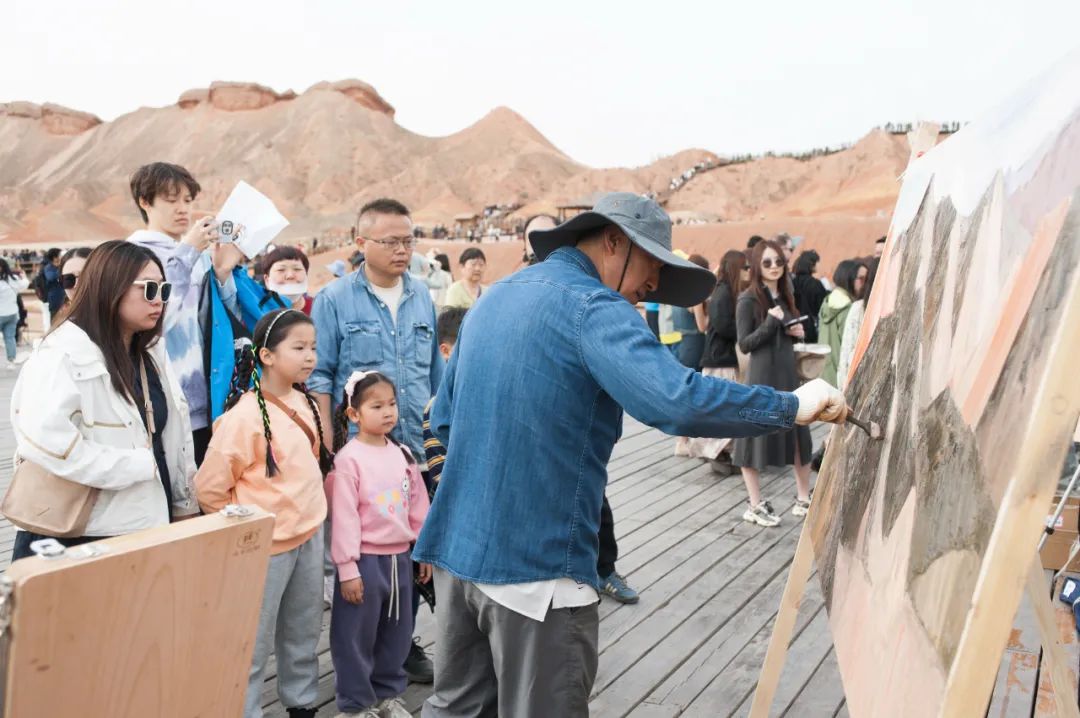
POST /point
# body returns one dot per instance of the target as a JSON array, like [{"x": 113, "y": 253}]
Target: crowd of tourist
[{"x": 416, "y": 438}]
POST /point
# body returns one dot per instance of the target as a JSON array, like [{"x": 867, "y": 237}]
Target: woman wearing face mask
[{"x": 287, "y": 276}]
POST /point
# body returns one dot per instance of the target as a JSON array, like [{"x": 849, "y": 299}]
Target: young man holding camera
[{"x": 164, "y": 194}]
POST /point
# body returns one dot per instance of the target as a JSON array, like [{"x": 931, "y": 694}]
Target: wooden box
[
  {"x": 1055, "y": 551},
  {"x": 162, "y": 624}
]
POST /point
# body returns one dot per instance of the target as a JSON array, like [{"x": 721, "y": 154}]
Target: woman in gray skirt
[{"x": 760, "y": 317}]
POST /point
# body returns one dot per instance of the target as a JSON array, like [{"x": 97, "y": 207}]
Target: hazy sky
[{"x": 610, "y": 83}]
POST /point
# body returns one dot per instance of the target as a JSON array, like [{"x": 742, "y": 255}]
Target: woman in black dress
[{"x": 760, "y": 315}]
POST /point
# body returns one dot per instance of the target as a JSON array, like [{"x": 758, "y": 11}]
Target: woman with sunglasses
[
  {"x": 71, "y": 267},
  {"x": 761, "y": 317},
  {"x": 11, "y": 283},
  {"x": 114, "y": 417}
]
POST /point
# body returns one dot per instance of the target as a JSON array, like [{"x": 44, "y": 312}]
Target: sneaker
[
  {"x": 302, "y": 712},
  {"x": 328, "y": 591},
  {"x": 393, "y": 708},
  {"x": 366, "y": 713},
  {"x": 801, "y": 507},
  {"x": 418, "y": 666},
  {"x": 762, "y": 515},
  {"x": 614, "y": 586}
]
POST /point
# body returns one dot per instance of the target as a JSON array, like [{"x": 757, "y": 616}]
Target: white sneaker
[
  {"x": 368, "y": 713},
  {"x": 762, "y": 515},
  {"x": 393, "y": 708},
  {"x": 801, "y": 507},
  {"x": 328, "y": 591}
]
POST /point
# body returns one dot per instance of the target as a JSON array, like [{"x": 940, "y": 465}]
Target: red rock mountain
[{"x": 321, "y": 153}]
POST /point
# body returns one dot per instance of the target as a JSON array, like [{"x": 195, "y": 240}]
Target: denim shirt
[
  {"x": 531, "y": 407},
  {"x": 354, "y": 331}
]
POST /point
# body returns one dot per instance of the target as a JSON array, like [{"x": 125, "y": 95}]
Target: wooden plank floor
[{"x": 710, "y": 585}]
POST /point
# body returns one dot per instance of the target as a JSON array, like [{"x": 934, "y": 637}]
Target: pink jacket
[{"x": 377, "y": 504}]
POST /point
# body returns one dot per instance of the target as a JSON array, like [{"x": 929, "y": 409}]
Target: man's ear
[{"x": 144, "y": 205}]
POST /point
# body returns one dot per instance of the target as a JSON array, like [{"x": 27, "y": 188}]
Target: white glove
[{"x": 820, "y": 401}]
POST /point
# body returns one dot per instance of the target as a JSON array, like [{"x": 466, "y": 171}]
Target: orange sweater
[{"x": 234, "y": 470}]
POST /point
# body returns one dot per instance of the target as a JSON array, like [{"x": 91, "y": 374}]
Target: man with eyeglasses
[{"x": 381, "y": 318}]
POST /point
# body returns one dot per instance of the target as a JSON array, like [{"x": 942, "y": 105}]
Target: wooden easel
[
  {"x": 1011, "y": 547},
  {"x": 1065, "y": 695}
]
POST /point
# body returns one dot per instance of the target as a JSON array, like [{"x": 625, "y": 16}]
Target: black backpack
[{"x": 40, "y": 285}]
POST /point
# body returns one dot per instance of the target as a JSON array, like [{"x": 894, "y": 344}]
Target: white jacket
[
  {"x": 9, "y": 294},
  {"x": 70, "y": 420}
]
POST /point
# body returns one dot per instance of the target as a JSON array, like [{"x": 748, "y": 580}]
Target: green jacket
[{"x": 834, "y": 311}]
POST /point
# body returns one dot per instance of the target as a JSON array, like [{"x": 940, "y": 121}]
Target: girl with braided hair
[
  {"x": 265, "y": 450},
  {"x": 378, "y": 504}
]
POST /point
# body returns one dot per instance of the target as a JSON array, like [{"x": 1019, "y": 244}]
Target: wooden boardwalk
[{"x": 710, "y": 585}]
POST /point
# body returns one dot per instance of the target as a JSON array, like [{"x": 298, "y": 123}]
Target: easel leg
[
  {"x": 1053, "y": 654},
  {"x": 784, "y": 625}
]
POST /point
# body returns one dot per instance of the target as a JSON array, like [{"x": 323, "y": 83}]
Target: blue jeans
[{"x": 8, "y": 325}]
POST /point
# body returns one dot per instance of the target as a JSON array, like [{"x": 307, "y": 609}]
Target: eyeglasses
[
  {"x": 394, "y": 243},
  {"x": 68, "y": 281},
  {"x": 151, "y": 289},
  {"x": 768, "y": 263}
]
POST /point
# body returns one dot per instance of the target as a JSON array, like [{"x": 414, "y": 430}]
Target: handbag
[
  {"x": 325, "y": 458},
  {"x": 43, "y": 503},
  {"x": 810, "y": 360}
]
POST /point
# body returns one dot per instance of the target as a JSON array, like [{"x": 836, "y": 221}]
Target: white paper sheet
[{"x": 249, "y": 219}]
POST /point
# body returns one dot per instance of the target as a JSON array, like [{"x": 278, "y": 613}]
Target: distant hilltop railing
[{"x": 901, "y": 128}]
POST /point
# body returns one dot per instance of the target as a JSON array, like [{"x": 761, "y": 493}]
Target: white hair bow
[{"x": 350, "y": 386}]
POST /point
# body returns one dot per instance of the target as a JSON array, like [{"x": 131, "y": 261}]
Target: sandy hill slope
[{"x": 320, "y": 153}]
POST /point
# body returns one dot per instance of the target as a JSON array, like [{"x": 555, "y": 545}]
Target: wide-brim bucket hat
[{"x": 647, "y": 225}]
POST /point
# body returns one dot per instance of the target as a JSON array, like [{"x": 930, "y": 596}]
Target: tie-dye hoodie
[{"x": 186, "y": 268}]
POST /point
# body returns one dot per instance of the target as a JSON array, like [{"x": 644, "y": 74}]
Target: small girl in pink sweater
[{"x": 377, "y": 505}]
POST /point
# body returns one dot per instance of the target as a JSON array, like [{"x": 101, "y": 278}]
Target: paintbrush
[{"x": 872, "y": 429}]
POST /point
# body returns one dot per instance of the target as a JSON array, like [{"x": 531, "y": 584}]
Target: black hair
[
  {"x": 471, "y": 253},
  {"x": 52, "y": 254},
  {"x": 845, "y": 274},
  {"x": 270, "y": 331},
  {"x": 383, "y": 205},
  {"x": 5, "y": 270},
  {"x": 160, "y": 177},
  {"x": 341, "y": 419},
  {"x": 872, "y": 265},
  {"x": 444, "y": 261},
  {"x": 282, "y": 254},
  {"x": 754, "y": 240},
  {"x": 449, "y": 324},
  {"x": 78, "y": 252},
  {"x": 806, "y": 262}
]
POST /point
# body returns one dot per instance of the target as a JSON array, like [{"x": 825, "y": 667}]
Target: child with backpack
[
  {"x": 377, "y": 505},
  {"x": 266, "y": 450}
]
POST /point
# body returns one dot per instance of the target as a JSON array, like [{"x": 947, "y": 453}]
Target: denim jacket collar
[
  {"x": 573, "y": 255},
  {"x": 360, "y": 278}
]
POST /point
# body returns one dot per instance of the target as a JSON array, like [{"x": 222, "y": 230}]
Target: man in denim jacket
[
  {"x": 529, "y": 411},
  {"x": 380, "y": 318}
]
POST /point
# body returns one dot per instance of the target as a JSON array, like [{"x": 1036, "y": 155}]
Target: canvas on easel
[
  {"x": 924, "y": 542},
  {"x": 162, "y": 624}
]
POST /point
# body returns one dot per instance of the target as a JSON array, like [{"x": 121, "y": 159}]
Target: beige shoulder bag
[{"x": 44, "y": 503}]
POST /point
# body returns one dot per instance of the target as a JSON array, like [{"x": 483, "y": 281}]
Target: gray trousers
[
  {"x": 290, "y": 621},
  {"x": 491, "y": 661}
]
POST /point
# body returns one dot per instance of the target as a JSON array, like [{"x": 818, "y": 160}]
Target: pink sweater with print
[{"x": 377, "y": 504}]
